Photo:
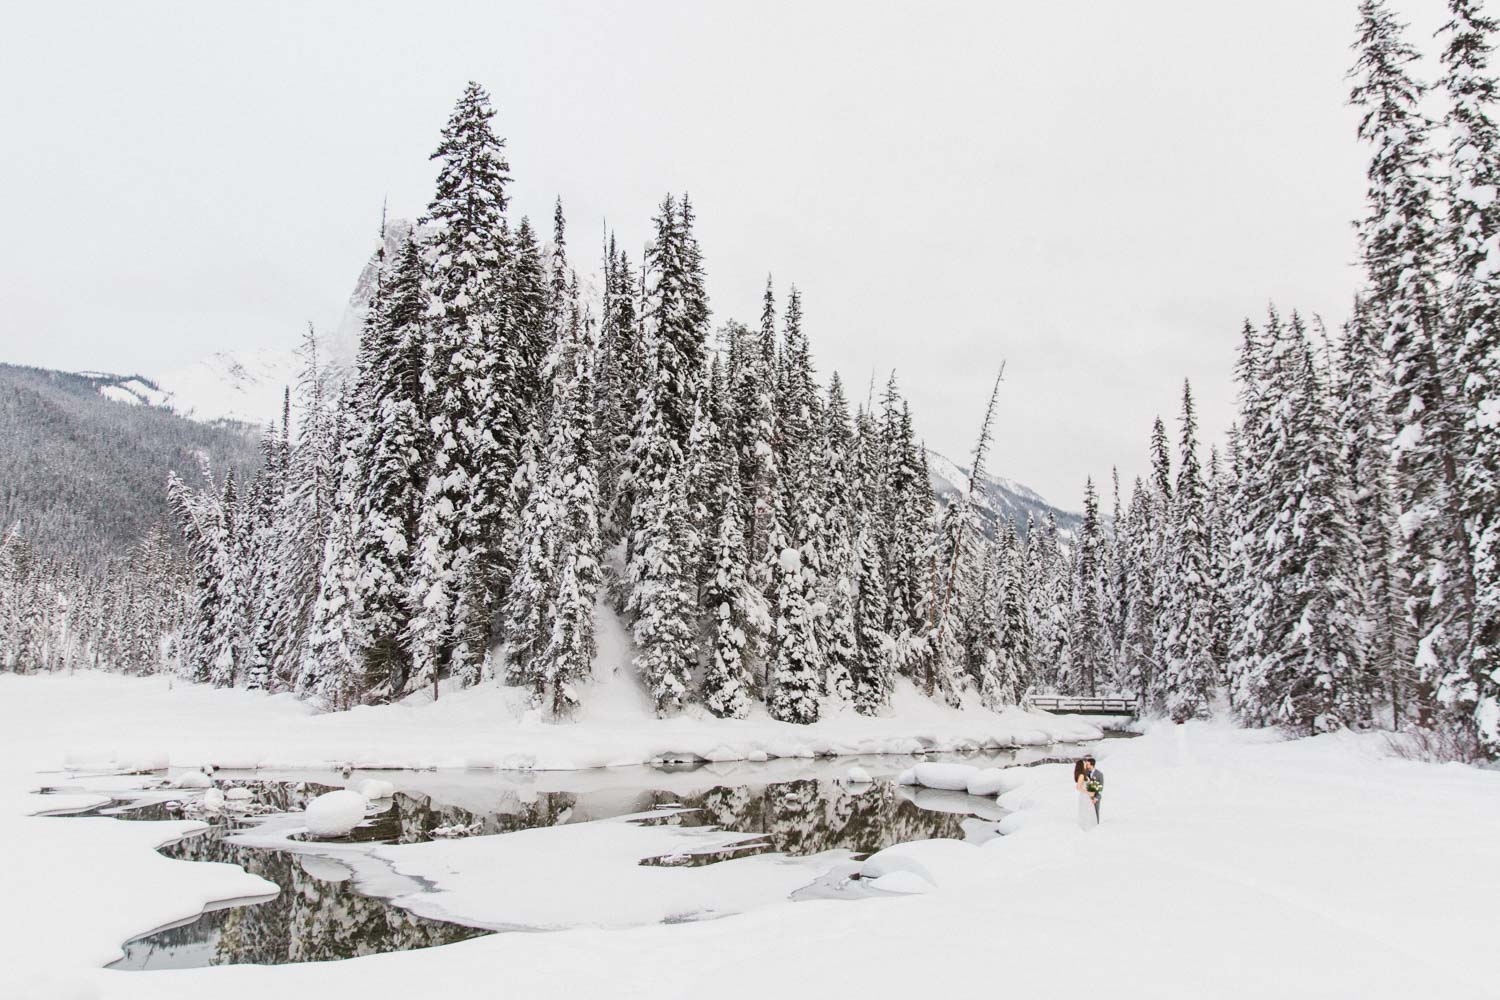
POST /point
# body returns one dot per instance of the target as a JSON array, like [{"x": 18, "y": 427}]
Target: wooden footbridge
[{"x": 1069, "y": 705}]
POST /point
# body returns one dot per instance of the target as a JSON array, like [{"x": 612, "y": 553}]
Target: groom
[{"x": 1094, "y": 774}]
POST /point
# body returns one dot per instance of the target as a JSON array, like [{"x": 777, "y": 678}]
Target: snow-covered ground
[{"x": 1229, "y": 863}]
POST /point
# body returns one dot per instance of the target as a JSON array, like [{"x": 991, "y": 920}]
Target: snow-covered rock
[
  {"x": 859, "y": 776},
  {"x": 757, "y": 756},
  {"x": 213, "y": 799},
  {"x": 237, "y": 794},
  {"x": 951, "y": 777},
  {"x": 335, "y": 813},
  {"x": 192, "y": 779},
  {"x": 907, "y": 777}
]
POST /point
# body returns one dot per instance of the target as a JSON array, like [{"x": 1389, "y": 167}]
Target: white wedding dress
[{"x": 1087, "y": 817}]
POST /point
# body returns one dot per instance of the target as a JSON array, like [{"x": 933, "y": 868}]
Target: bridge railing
[{"x": 1075, "y": 705}]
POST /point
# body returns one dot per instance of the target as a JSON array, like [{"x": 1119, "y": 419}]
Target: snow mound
[
  {"x": 237, "y": 794},
  {"x": 192, "y": 779},
  {"x": 335, "y": 813},
  {"x": 994, "y": 781},
  {"x": 859, "y": 776},
  {"x": 906, "y": 883},
  {"x": 213, "y": 799},
  {"x": 374, "y": 788},
  {"x": 935, "y": 861},
  {"x": 949, "y": 777}
]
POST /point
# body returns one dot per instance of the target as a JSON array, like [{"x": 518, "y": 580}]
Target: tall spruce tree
[
  {"x": 1089, "y": 643},
  {"x": 1402, "y": 251},
  {"x": 1365, "y": 439},
  {"x": 471, "y": 388},
  {"x": 1472, "y": 236},
  {"x": 730, "y": 602},
  {"x": 1138, "y": 666},
  {"x": 389, "y": 492},
  {"x": 794, "y": 674},
  {"x": 1190, "y": 670},
  {"x": 334, "y": 669},
  {"x": 568, "y": 655},
  {"x": 1014, "y": 653},
  {"x": 664, "y": 627}
]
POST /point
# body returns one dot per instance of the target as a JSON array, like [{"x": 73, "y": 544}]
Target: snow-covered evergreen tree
[
  {"x": 620, "y": 383},
  {"x": 1189, "y": 667},
  {"x": 755, "y": 401},
  {"x": 334, "y": 669},
  {"x": 567, "y": 659},
  {"x": 1308, "y": 669},
  {"x": 1472, "y": 236},
  {"x": 1088, "y": 627},
  {"x": 664, "y": 627},
  {"x": 391, "y": 477},
  {"x": 839, "y": 587},
  {"x": 470, "y": 386},
  {"x": 794, "y": 673},
  {"x": 873, "y": 671},
  {"x": 1402, "y": 252},
  {"x": 1049, "y": 602},
  {"x": 1012, "y": 670},
  {"x": 731, "y": 603},
  {"x": 1365, "y": 450}
]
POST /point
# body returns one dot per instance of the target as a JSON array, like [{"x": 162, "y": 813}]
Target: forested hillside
[{"x": 84, "y": 472}]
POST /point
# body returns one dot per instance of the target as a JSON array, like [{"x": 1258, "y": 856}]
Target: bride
[{"x": 1088, "y": 817}]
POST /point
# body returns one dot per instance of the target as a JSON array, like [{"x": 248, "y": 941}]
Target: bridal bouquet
[{"x": 1094, "y": 787}]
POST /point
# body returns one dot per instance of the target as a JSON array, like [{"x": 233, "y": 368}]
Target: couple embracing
[{"x": 1089, "y": 781}]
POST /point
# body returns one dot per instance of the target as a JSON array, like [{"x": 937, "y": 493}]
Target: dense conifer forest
[{"x": 510, "y": 459}]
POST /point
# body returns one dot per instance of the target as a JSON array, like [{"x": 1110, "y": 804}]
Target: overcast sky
[{"x": 1096, "y": 193}]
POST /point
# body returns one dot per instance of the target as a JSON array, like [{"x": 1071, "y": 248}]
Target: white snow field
[{"x": 1230, "y": 863}]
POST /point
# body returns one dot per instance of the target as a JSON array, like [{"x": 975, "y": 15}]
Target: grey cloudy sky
[{"x": 1097, "y": 192}]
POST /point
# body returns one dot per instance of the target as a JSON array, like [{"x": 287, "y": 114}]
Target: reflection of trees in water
[
  {"x": 412, "y": 818},
  {"x": 310, "y": 920},
  {"x": 314, "y": 920},
  {"x": 810, "y": 816}
]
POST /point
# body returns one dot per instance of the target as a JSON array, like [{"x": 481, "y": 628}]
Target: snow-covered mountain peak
[
  {"x": 999, "y": 499},
  {"x": 246, "y": 386}
]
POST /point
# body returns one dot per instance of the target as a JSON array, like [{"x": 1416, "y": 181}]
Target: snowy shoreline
[
  {"x": 1231, "y": 863},
  {"x": 493, "y": 727}
]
